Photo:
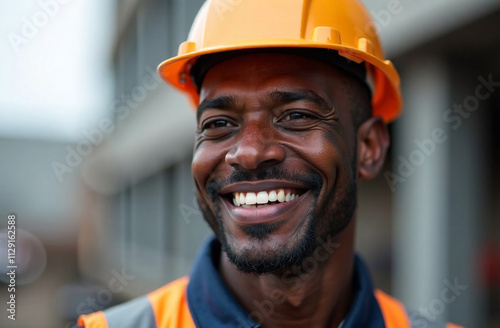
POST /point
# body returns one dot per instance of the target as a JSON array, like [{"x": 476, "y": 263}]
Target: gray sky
[{"x": 54, "y": 78}]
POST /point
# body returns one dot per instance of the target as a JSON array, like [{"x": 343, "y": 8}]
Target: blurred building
[
  {"x": 429, "y": 221},
  {"x": 53, "y": 84}
]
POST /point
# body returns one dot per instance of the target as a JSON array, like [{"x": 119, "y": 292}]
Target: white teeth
[
  {"x": 251, "y": 198},
  {"x": 281, "y": 196},
  {"x": 262, "y": 197}
]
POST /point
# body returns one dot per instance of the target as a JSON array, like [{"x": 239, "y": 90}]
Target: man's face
[{"x": 275, "y": 158}]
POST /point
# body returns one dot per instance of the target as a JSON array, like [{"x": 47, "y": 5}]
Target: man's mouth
[
  {"x": 264, "y": 201},
  {"x": 258, "y": 199}
]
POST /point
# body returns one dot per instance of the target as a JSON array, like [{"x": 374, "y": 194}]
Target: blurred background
[{"x": 95, "y": 156}]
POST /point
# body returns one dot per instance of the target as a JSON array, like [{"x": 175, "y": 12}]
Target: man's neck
[{"x": 317, "y": 293}]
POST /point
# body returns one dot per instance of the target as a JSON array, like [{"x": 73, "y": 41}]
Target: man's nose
[{"x": 256, "y": 147}]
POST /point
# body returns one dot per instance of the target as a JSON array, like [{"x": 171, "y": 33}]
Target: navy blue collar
[{"x": 212, "y": 305}]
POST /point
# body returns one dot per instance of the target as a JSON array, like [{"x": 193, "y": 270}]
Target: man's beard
[{"x": 319, "y": 225}]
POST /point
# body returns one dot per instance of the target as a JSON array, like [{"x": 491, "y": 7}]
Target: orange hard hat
[{"x": 341, "y": 25}]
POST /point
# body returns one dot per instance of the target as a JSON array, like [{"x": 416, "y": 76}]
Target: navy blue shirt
[{"x": 213, "y": 306}]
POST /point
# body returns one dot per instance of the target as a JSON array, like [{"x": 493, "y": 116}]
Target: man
[{"x": 292, "y": 98}]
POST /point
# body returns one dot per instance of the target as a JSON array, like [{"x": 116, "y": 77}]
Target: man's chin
[
  {"x": 264, "y": 256},
  {"x": 261, "y": 232}
]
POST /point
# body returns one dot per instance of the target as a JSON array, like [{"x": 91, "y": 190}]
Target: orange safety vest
[{"x": 168, "y": 308}]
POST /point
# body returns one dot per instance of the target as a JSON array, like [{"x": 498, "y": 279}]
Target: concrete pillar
[
  {"x": 420, "y": 160},
  {"x": 439, "y": 201}
]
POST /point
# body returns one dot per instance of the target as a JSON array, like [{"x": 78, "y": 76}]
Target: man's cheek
[
  {"x": 202, "y": 166},
  {"x": 209, "y": 215},
  {"x": 205, "y": 204}
]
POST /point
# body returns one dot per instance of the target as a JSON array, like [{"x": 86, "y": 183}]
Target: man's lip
[
  {"x": 261, "y": 185},
  {"x": 267, "y": 214}
]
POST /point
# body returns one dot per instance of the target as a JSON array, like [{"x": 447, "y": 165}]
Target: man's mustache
[{"x": 311, "y": 180}]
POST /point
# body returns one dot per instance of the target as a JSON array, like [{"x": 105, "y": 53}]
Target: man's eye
[
  {"x": 295, "y": 116},
  {"x": 217, "y": 124}
]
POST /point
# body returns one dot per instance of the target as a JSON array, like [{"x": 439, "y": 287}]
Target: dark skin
[{"x": 287, "y": 112}]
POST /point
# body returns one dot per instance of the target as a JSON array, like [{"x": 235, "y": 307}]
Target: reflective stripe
[
  {"x": 396, "y": 316},
  {"x": 93, "y": 320},
  {"x": 133, "y": 314},
  {"x": 393, "y": 311},
  {"x": 170, "y": 305},
  {"x": 166, "y": 307},
  {"x": 418, "y": 321}
]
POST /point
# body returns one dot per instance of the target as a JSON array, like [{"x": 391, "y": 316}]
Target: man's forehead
[
  {"x": 288, "y": 69},
  {"x": 271, "y": 77},
  {"x": 304, "y": 57},
  {"x": 262, "y": 64}
]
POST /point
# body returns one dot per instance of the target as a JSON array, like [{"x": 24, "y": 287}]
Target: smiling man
[
  {"x": 276, "y": 155},
  {"x": 292, "y": 101}
]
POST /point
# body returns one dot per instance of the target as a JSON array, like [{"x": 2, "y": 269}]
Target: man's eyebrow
[
  {"x": 284, "y": 97},
  {"x": 223, "y": 102},
  {"x": 277, "y": 96}
]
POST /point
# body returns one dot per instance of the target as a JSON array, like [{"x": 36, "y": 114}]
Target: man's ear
[{"x": 373, "y": 142}]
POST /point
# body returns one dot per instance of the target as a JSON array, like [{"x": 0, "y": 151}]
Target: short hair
[{"x": 361, "y": 108}]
